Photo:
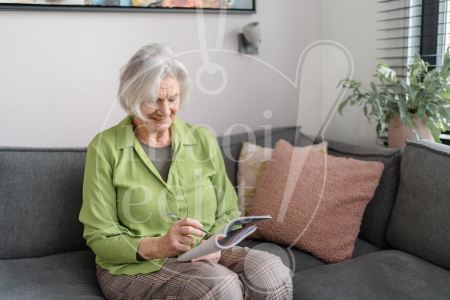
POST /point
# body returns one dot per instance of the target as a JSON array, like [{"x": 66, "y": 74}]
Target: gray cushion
[
  {"x": 40, "y": 192},
  {"x": 388, "y": 274},
  {"x": 231, "y": 145},
  {"x": 378, "y": 211},
  {"x": 420, "y": 220},
  {"x": 68, "y": 275},
  {"x": 298, "y": 260},
  {"x": 362, "y": 248}
]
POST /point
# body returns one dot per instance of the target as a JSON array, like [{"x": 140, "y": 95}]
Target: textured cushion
[
  {"x": 252, "y": 163},
  {"x": 378, "y": 211},
  {"x": 40, "y": 199},
  {"x": 386, "y": 275},
  {"x": 323, "y": 213},
  {"x": 68, "y": 276},
  {"x": 420, "y": 220},
  {"x": 231, "y": 144}
]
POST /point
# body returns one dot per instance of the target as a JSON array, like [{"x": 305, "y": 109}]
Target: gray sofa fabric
[
  {"x": 293, "y": 258},
  {"x": 40, "y": 191},
  {"x": 67, "y": 276},
  {"x": 298, "y": 260},
  {"x": 420, "y": 222},
  {"x": 389, "y": 274},
  {"x": 378, "y": 211},
  {"x": 231, "y": 145},
  {"x": 362, "y": 248}
]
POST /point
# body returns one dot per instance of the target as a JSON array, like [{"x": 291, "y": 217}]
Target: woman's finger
[
  {"x": 190, "y": 222},
  {"x": 187, "y": 230},
  {"x": 199, "y": 259},
  {"x": 213, "y": 257},
  {"x": 185, "y": 239},
  {"x": 177, "y": 246}
]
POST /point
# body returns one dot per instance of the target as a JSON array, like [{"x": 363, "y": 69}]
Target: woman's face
[{"x": 162, "y": 113}]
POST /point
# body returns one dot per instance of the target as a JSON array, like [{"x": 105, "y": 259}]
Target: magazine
[{"x": 224, "y": 238}]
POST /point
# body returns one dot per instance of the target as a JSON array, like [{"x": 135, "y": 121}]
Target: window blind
[{"x": 407, "y": 27}]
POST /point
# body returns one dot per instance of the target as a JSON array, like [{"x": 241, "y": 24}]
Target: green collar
[{"x": 181, "y": 134}]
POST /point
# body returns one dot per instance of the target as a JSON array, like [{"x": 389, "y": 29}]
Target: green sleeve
[
  {"x": 105, "y": 235},
  {"x": 227, "y": 202}
]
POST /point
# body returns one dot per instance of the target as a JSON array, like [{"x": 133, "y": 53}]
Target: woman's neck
[{"x": 149, "y": 137}]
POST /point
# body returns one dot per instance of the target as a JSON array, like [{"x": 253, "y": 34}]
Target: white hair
[{"x": 141, "y": 77}]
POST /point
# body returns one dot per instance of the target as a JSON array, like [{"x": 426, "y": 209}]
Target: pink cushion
[{"x": 316, "y": 211}]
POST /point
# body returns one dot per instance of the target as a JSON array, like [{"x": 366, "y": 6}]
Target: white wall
[
  {"x": 352, "y": 23},
  {"x": 59, "y": 70}
]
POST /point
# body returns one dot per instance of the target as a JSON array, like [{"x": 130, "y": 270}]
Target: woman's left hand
[{"x": 212, "y": 257}]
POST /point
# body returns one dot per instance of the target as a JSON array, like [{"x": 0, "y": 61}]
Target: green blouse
[{"x": 125, "y": 199}]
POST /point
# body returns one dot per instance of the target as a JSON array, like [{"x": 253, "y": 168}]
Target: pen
[{"x": 178, "y": 218}]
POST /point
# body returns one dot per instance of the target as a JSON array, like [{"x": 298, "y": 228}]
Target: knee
[
  {"x": 219, "y": 282},
  {"x": 265, "y": 273}
]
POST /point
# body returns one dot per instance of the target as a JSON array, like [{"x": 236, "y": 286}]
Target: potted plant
[{"x": 420, "y": 104}]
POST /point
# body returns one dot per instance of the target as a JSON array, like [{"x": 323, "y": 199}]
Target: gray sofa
[{"x": 402, "y": 252}]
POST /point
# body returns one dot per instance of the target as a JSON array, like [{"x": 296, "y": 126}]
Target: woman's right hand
[{"x": 175, "y": 240}]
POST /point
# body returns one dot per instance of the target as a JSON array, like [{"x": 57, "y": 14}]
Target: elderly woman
[{"x": 150, "y": 164}]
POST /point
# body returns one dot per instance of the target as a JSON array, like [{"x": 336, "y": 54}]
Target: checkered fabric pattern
[{"x": 241, "y": 273}]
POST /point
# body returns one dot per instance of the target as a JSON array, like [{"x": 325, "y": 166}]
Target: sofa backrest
[
  {"x": 420, "y": 220},
  {"x": 231, "y": 145},
  {"x": 378, "y": 211},
  {"x": 41, "y": 192},
  {"x": 40, "y": 199}
]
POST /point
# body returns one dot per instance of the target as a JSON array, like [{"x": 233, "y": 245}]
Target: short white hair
[{"x": 141, "y": 77}]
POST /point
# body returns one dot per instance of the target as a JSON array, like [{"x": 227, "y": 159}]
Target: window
[{"x": 408, "y": 27}]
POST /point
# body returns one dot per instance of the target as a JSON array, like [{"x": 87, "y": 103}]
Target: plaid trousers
[{"x": 241, "y": 273}]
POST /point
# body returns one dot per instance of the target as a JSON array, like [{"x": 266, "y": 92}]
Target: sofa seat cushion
[
  {"x": 295, "y": 259},
  {"x": 389, "y": 274},
  {"x": 298, "y": 260},
  {"x": 69, "y": 275}
]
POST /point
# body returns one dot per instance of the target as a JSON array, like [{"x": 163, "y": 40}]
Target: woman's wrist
[{"x": 149, "y": 248}]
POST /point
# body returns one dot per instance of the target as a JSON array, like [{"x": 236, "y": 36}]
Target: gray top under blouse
[{"x": 161, "y": 158}]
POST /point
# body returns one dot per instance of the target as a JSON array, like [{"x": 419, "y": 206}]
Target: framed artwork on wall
[{"x": 208, "y": 6}]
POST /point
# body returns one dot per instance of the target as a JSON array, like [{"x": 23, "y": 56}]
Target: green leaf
[
  {"x": 443, "y": 112},
  {"x": 417, "y": 134},
  {"x": 342, "y": 105},
  {"x": 379, "y": 132},
  {"x": 422, "y": 109},
  {"x": 408, "y": 89},
  {"x": 341, "y": 81},
  {"x": 402, "y": 108},
  {"x": 374, "y": 88},
  {"x": 434, "y": 131},
  {"x": 365, "y": 111}
]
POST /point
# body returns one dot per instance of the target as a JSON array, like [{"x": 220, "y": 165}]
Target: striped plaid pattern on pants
[{"x": 241, "y": 273}]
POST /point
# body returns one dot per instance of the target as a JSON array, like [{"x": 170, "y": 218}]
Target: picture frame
[{"x": 177, "y": 6}]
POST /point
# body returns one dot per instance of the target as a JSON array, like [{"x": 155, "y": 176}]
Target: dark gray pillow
[
  {"x": 420, "y": 220},
  {"x": 231, "y": 145},
  {"x": 378, "y": 211}
]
